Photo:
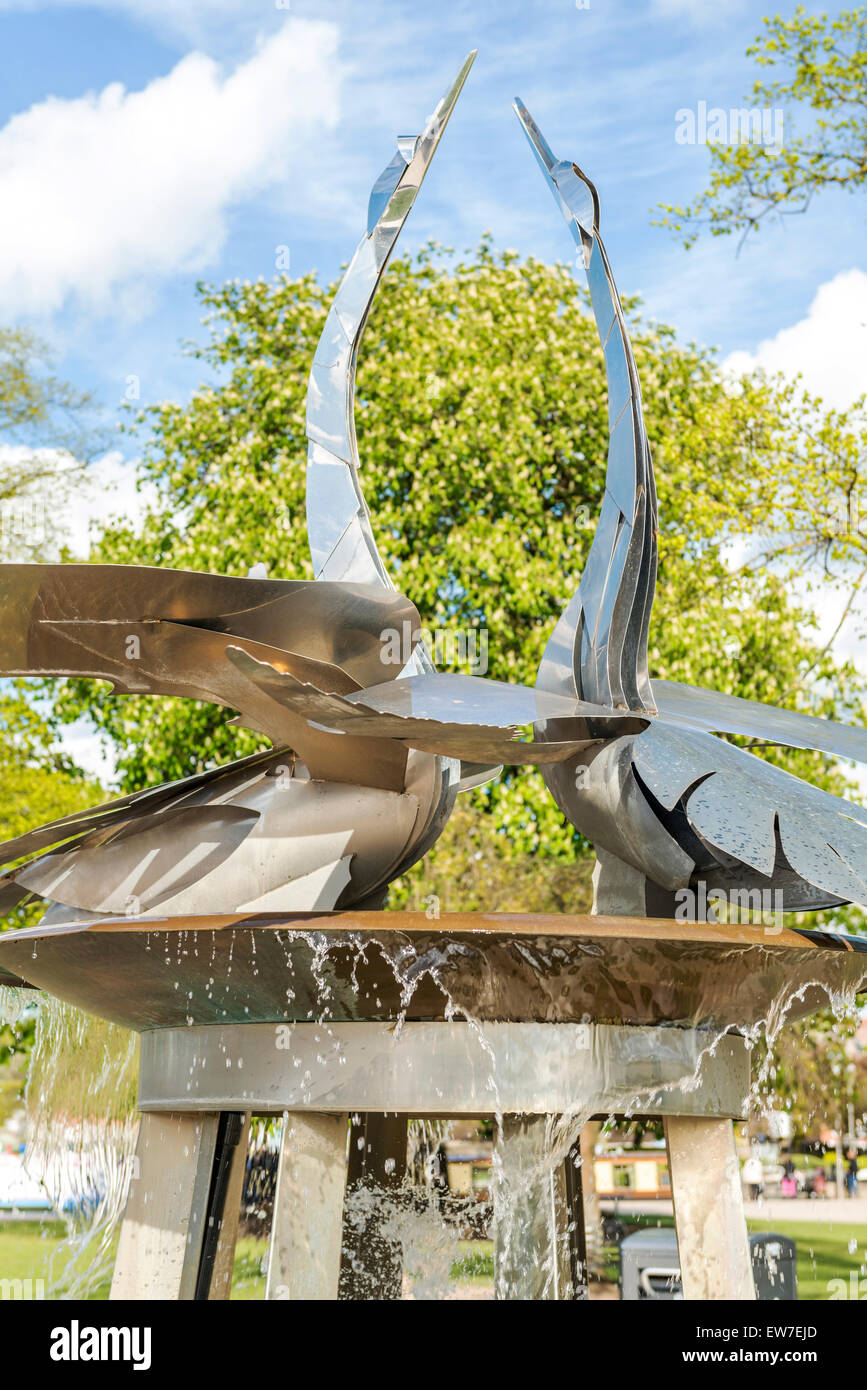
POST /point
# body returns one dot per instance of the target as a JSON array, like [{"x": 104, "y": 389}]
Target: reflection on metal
[
  {"x": 456, "y": 716},
  {"x": 338, "y": 522},
  {"x": 599, "y": 647},
  {"x": 326, "y": 818},
  {"x": 444, "y": 1069},
  {"x": 384, "y": 966},
  {"x": 342, "y": 544},
  {"x": 674, "y": 802}
]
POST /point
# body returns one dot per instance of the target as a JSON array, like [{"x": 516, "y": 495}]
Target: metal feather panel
[
  {"x": 713, "y": 712},
  {"x": 737, "y": 803},
  {"x": 599, "y": 648}
]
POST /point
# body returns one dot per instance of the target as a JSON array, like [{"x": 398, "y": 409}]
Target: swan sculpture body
[{"x": 674, "y": 802}]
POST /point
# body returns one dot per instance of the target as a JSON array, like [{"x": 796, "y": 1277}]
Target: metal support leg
[
  {"x": 708, "y": 1209},
  {"x": 218, "y": 1252},
  {"x": 577, "y": 1230},
  {"x": 531, "y": 1215},
  {"x": 306, "y": 1226},
  {"x": 164, "y": 1224},
  {"x": 592, "y": 1209},
  {"x": 372, "y": 1266}
]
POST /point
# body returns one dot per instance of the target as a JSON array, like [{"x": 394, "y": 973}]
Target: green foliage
[
  {"x": 823, "y": 67},
  {"x": 814, "y": 1070},
  {"x": 482, "y": 425},
  {"x": 39, "y": 783}
]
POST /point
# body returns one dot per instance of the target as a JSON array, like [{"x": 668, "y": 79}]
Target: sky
[{"x": 147, "y": 144}]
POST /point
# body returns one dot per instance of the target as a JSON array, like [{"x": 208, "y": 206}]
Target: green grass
[
  {"x": 474, "y": 1266},
  {"x": 248, "y": 1281},
  {"x": 26, "y": 1248},
  {"x": 822, "y": 1248},
  {"x": 823, "y": 1255},
  {"x": 823, "y": 1252},
  {"x": 476, "y": 1263},
  {"x": 807, "y": 1162}
]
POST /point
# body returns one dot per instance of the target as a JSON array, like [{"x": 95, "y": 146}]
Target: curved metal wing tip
[
  {"x": 448, "y": 99},
  {"x": 576, "y": 195},
  {"x": 539, "y": 144},
  {"x": 410, "y": 146},
  {"x": 439, "y": 117}
]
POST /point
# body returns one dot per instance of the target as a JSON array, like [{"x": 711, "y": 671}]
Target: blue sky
[{"x": 116, "y": 119}]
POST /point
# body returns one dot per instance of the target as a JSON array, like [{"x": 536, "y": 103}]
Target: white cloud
[
  {"x": 106, "y": 492},
  {"x": 67, "y": 508},
  {"x": 828, "y": 347},
  {"x": 115, "y": 189}
]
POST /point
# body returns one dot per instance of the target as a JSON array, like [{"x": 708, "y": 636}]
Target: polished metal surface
[
  {"x": 713, "y": 712},
  {"x": 599, "y": 647},
  {"x": 338, "y": 816},
  {"x": 675, "y": 802},
  {"x": 456, "y": 716},
  {"x": 370, "y": 748},
  {"x": 342, "y": 543},
  {"x": 167, "y": 970},
  {"x": 444, "y": 1069}
]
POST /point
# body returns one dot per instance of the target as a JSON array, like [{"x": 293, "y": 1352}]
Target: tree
[
  {"x": 47, "y": 428},
  {"x": 823, "y": 77},
  {"x": 813, "y": 1070},
  {"x": 482, "y": 427},
  {"x": 38, "y": 783},
  {"x": 47, "y": 434}
]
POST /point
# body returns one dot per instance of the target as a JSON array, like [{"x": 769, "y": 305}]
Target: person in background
[
  {"x": 852, "y": 1174},
  {"x": 789, "y": 1185},
  {"x": 820, "y": 1182},
  {"x": 754, "y": 1177}
]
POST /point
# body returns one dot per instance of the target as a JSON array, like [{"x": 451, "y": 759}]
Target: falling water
[{"x": 81, "y": 1129}]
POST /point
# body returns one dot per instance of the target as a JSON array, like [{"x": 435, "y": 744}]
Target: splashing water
[{"x": 81, "y": 1133}]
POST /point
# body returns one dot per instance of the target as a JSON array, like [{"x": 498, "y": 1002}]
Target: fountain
[
  {"x": 234, "y": 920},
  {"x": 322, "y": 1017}
]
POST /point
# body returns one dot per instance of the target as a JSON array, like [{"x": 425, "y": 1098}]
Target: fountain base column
[
  {"x": 307, "y": 1224},
  {"x": 708, "y": 1209},
  {"x": 164, "y": 1223},
  {"x": 219, "y": 1281},
  {"x": 705, "y": 1175}
]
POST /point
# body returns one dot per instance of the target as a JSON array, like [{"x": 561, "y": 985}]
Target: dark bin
[
  {"x": 650, "y": 1266},
  {"x": 774, "y": 1266}
]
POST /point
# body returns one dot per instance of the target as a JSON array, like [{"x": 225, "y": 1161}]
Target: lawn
[{"x": 826, "y": 1251}]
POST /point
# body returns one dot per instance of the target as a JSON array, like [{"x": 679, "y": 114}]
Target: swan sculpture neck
[
  {"x": 342, "y": 544},
  {"x": 598, "y": 650}
]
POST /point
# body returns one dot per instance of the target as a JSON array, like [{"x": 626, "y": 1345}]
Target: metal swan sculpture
[
  {"x": 675, "y": 803},
  {"x": 369, "y": 754},
  {"x": 342, "y": 803}
]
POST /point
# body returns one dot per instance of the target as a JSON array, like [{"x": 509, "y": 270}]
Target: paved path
[{"x": 851, "y": 1210}]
